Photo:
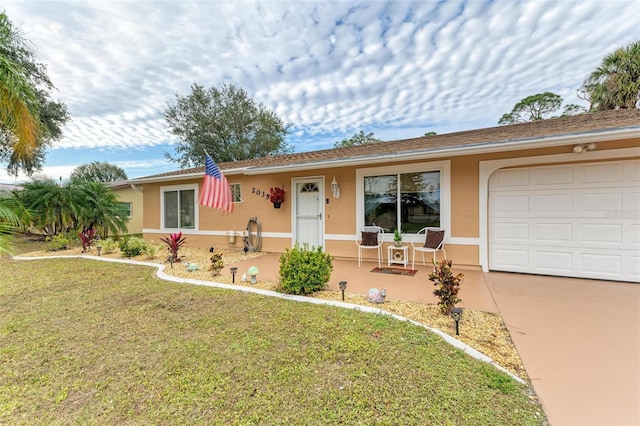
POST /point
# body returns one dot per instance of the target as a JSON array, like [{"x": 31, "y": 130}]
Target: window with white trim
[
  {"x": 409, "y": 197},
  {"x": 236, "y": 192},
  {"x": 178, "y": 207}
]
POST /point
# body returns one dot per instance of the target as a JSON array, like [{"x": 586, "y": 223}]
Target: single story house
[{"x": 554, "y": 197}]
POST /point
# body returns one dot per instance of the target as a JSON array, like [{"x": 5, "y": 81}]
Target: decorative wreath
[{"x": 398, "y": 255}]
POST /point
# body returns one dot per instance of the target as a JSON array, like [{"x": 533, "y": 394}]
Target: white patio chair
[
  {"x": 370, "y": 237},
  {"x": 428, "y": 240}
]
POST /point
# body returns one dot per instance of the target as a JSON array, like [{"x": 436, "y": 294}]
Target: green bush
[
  {"x": 108, "y": 245},
  {"x": 60, "y": 241},
  {"x": 134, "y": 246},
  {"x": 304, "y": 270}
]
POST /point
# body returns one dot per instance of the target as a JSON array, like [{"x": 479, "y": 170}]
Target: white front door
[
  {"x": 308, "y": 212},
  {"x": 574, "y": 220}
]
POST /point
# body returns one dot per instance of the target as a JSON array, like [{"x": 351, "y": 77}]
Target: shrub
[
  {"x": 174, "y": 242},
  {"x": 448, "y": 285},
  {"x": 59, "y": 242},
  {"x": 133, "y": 246},
  {"x": 216, "y": 262},
  {"x": 304, "y": 270},
  {"x": 108, "y": 245},
  {"x": 87, "y": 236}
]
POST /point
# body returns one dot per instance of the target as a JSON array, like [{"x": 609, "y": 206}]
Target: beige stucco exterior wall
[
  {"x": 135, "y": 197},
  {"x": 339, "y": 214}
]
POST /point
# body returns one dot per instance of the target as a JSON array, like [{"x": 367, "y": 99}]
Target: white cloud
[{"x": 326, "y": 67}]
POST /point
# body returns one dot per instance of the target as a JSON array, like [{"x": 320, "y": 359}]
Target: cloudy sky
[{"x": 330, "y": 69}]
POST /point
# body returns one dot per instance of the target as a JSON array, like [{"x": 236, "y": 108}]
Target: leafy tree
[
  {"x": 29, "y": 119},
  {"x": 97, "y": 171},
  {"x": 96, "y": 206},
  {"x": 51, "y": 205},
  {"x": 538, "y": 107},
  {"x": 616, "y": 82},
  {"x": 77, "y": 206},
  {"x": 225, "y": 122},
  {"x": 430, "y": 134},
  {"x": 357, "y": 139}
]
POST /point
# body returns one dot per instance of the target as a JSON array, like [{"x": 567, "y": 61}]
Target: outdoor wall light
[
  {"x": 583, "y": 147},
  {"x": 456, "y": 314},
  {"x": 234, "y": 271},
  {"x": 253, "y": 271},
  {"x": 335, "y": 188},
  {"x": 343, "y": 287}
]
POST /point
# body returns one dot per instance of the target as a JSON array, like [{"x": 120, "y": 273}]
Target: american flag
[{"x": 216, "y": 192}]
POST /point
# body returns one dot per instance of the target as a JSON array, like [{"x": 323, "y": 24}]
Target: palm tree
[
  {"x": 52, "y": 206},
  {"x": 10, "y": 219},
  {"x": 19, "y": 110},
  {"x": 98, "y": 207},
  {"x": 616, "y": 82}
]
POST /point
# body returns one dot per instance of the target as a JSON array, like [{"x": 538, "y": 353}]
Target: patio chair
[
  {"x": 370, "y": 237},
  {"x": 428, "y": 240}
]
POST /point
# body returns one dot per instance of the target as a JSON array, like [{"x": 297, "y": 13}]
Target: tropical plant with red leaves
[
  {"x": 448, "y": 285},
  {"x": 174, "y": 242},
  {"x": 87, "y": 236}
]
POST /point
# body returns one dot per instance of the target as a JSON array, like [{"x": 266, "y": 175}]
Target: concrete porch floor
[
  {"x": 579, "y": 339},
  {"x": 474, "y": 291}
]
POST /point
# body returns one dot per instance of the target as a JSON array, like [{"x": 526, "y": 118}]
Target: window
[
  {"x": 409, "y": 197},
  {"x": 179, "y": 207},
  {"x": 410, "y": 201},
  {"x": 127, "y": 208},
  {"x": 236, "y": 192}
]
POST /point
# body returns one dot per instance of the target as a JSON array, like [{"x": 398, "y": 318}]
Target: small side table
[{"x": 398, "y": 255}]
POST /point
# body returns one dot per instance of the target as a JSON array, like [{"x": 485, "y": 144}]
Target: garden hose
[{"x": 254, "y": 234}]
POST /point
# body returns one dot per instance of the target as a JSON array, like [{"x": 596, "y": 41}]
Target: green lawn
[{"x": 89, "y": 342}]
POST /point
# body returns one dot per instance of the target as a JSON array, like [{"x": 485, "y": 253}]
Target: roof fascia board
[
  {"x": 482, "y": 148},
  {"x": 185, "y": 176}
]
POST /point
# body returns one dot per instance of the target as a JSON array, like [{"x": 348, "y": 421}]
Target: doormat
[{"x": 395, "y": 271}]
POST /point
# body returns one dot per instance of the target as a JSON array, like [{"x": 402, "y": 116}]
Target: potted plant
[
  {"x": 397, "y": 237},
  {"x": 276, "y": 196}
]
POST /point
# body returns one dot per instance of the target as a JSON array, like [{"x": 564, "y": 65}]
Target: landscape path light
[
  {"x": 343, "y": 287},
  {"x": 234, "y": 271},
  {"x": 456, "y": 314}
]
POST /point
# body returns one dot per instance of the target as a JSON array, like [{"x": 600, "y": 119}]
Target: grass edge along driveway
[{"x": 84, "y": 341}]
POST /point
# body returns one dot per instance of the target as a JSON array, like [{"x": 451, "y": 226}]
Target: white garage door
[{"x": 579, "y": 220}]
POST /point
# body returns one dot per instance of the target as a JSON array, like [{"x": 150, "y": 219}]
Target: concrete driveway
[{"x": 580, "y": 343}]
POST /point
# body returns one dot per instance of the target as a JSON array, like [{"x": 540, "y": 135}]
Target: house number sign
[{"x": 260, "y": 193}]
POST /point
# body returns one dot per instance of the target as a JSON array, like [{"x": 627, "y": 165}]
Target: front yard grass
[{"x": 88, "y": 342}]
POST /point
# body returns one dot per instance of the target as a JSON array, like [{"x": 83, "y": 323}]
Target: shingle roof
[{"x": 571, "y": 125}]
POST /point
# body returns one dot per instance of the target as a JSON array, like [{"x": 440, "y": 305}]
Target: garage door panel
[
  {"x": 602, "y": 173},
  {"x": 554, "y": 176},
  {"x": 599, "y": 264},
  {"x": 580, "y": 220},
  {"x": 515, "y": 231},
  {"x": 554, "y": 262},
  {"x": 511, "y": 203},
  {"x": 554, "y": 232},
  {"x": 601, "y": 202},
  {"x": 514, "y": 258},
  {"x": 553, "y": 203},
  {"x": 634, "y": 236},
  {"x": 598, "y": 234}
]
